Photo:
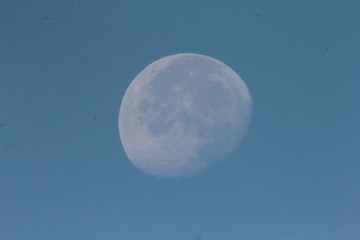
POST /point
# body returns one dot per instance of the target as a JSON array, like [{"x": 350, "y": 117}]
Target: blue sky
[{"x": 65, "y": 65}]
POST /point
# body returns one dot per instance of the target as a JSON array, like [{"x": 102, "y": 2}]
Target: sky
[{"x": 65, "y": 66}]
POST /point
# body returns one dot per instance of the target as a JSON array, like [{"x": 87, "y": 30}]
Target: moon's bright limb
[{"x": 183, "y": 113}]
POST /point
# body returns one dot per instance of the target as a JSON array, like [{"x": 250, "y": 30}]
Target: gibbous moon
[{"x": 182, "y": 114}]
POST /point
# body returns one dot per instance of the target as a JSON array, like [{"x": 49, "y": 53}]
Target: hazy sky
[{"x": 65, "y": 65}]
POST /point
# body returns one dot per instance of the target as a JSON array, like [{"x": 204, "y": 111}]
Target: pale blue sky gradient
[{"x": 65, "y": 65}]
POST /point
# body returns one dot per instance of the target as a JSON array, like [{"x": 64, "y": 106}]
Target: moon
[{"x": 183, "y": 114}]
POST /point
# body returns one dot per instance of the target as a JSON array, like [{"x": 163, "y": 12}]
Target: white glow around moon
[{"x": 182, "y": 114}]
